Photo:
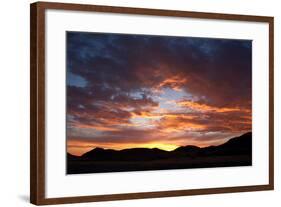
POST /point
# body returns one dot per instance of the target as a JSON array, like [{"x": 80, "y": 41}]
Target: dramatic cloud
[{"x": 155, "y": 91}]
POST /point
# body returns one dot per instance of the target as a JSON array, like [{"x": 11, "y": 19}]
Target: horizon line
[{"x": 158, "y": 148}]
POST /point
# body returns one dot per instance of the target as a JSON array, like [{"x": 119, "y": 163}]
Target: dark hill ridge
[
  {"x": 236, "y": 146},
  {"x": 72, "y": 157},
  {"x": 133, "y": 154},
  {"x": 235, "y": 152}
]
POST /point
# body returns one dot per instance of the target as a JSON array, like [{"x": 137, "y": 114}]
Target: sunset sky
[{"x": 127, "y": 91}]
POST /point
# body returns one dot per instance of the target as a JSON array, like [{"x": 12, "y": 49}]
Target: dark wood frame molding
[{"x": 37, "y": 102}]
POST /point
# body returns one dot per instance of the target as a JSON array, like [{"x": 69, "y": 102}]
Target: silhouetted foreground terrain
[{"x": 235, "y": 152}]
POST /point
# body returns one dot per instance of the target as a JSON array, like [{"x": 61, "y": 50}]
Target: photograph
[
  {"x": 153, "y": 102},
  {"x": 142, "y": 102}
]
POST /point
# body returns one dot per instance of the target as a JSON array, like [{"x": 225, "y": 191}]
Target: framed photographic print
[{"x": 130, "y": 103}]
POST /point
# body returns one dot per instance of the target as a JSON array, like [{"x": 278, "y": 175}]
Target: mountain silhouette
[
  {"x": 72, "y": 157},
  {"x": 236, "y": 151},
  {"x": 234, "y": 146},
  {"x": 189, "y": 150},
  {"x": 133, "y": 154}
]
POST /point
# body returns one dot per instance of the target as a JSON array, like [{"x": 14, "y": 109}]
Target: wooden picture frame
[{"x": 38, "y": 98}]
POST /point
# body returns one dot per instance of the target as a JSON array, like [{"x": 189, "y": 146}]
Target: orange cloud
[
  {"x": 179, "y": 123},
  {"x": 175, "y": 82},
  {"x": 97, "y": 127},
  {"x": 146, "y": 114},
  {"x": 206, "y": 108}
]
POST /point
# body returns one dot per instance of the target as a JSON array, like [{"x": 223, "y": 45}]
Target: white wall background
[{"x": 14, "y": 102}]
